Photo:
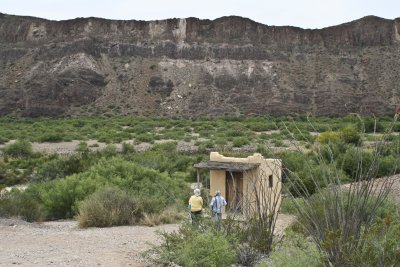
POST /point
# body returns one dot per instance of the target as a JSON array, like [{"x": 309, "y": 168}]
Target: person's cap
[{"x": 217, "y": 193}]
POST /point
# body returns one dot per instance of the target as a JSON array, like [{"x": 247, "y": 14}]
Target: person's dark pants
[
  {"x": 217, "y": 218},
  {"x": 196, "y": 216}
]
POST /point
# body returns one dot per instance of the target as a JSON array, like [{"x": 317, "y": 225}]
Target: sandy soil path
[{"x": 62, "y": 243}]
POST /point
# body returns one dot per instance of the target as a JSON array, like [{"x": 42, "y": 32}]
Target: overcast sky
[{"x": 301, "y": 13}]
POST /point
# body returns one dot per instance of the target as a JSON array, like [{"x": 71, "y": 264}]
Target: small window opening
[{"x": 270, "y": 181}]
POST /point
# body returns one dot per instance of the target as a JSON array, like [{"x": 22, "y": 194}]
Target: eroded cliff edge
[{"x": 192, "y": 67}]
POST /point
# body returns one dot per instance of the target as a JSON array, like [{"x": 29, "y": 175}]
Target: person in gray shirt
[{"x": 217, "y": 202}]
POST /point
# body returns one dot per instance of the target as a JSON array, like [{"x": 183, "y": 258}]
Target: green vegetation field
[{"x": 120, "y": 185}]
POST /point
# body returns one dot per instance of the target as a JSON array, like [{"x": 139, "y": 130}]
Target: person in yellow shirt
[{"x": 196, "y": 206}]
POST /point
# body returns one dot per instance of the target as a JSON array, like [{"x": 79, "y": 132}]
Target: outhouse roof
[{"x": 227, "y": 166}]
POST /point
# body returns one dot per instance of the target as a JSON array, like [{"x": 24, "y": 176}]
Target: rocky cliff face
[{"x": 192, "y": 67}]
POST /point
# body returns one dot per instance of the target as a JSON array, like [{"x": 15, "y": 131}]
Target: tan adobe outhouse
[{"x": 248, "y": 184}]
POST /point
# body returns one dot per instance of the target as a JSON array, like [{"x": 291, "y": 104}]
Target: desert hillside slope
[{"x": 193, "y": 67}]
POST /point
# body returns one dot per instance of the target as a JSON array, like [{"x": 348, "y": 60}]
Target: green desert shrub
[
  {"x": 356, "y": 162},
  {"x": 293, "y": 251},
  {"x": 304, "y": 175},
  {"x": 19, "y": 149},
  {"x": 365, "y": 240},
  {"x": 278, "y": 143},
  {"x": 288, "y": 206},
  {"x": 205, "y": 146},
  {"x": 189, "y": 247},
  {"x": 382, "y": 244},
  {"x": 293, "y": 161},
  {"x": 3, "y": 139},
  {"x": 62, "y": 196},
  {"x": 145, "y": 137},
  {"x": 207, "y": 249},
  {"x": 51, "y": 170},
  {"x": 328, "y": 137},
  {"x": 109, "y": 151},
  {"x": 388, "y": 165},
  {"x": 109, "y": 207},
  {"x": 221, "y": 141},
  {"x": 262, "y": 126},
  {"x": 330, "y": 152},
  {"x": 168, "y": 215},
  {"x": 127, "y": 148},
  {"x": 369, "y": 125},
  {"x": 240, "y": 141},
  {"x": 165, "y": 158},
  {"x": 247, "y": 255},
  {"x": 61, "y": 167},
  {"x": 350, "y": 135},
  {"x": 24, "y": 205},
  {"x": 52, "y": 137}
]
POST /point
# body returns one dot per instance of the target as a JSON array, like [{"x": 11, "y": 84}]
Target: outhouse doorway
[{"x": 234, "y": 191}]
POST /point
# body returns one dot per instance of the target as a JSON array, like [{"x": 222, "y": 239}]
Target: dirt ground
[
  {"x": 394, "y": 193},
  {"x": 62, "y": 243}
]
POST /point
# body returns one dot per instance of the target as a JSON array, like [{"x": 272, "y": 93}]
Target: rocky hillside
[{"x": 193, "y": 67}]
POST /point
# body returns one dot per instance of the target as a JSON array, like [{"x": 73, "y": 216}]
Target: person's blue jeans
[{"x": 217, "y": 218}]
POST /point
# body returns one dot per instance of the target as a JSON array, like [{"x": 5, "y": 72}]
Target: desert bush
[
  {"x": 378, "y": 246},
  {"x": 3, "y": 139},
  {"x": 315, "y": 177},
  {"x": 221, "y": 141},
  {"x": 206, "y": 144},
  {"x": 164, "y": 158},
  {"x": 382, "y": 244},
  {"x": 168, "y": 215},
  {"x": 304, "y": 136},
  {"x": 82, "y": 148},
  {"x": 207, "y": 249},
  {"x": 247, "y": 255},
  {"x": 24, "y": 205},
  {"x": 190, "y": 247},
  {"x": 55, "y": 167},
  {"x": 340, "y": 221},
  {"x": 52, "y": 169},
  {"x": 109, "y": 207},
  {"x": 240, "y": 141},
  {"x": 294, "y": 250},
  {"x": 234, "y": 132},
  {"x": 62, "y": 196},
  {"x": 331, "y": 152},
  {"x": 127, "y": 148},
  {"x": 174, "y": 135},
  {"x": 396, "y": 127},
  {"x": 19, "y": 149},
  {"x": 288, "y": 206},
  {"x": 350, "y": 135},
  {"x": 145, "y": 137},
  {"x": 293, "y": 161},
  {"x": 52, "y": 137},
  {"x": 278, "y": 143},
  {"x": 262, "y": 126},
  {"x": 328, "y": 137},
  {"x": 356, "y": 163},
  {"x": 387, "y": 165},
  {"x": 371, "y": 125},
  {"x": 109, "y": 151}
]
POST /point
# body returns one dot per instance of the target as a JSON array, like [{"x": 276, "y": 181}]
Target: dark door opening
[{"x": 234, "y": 191}]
